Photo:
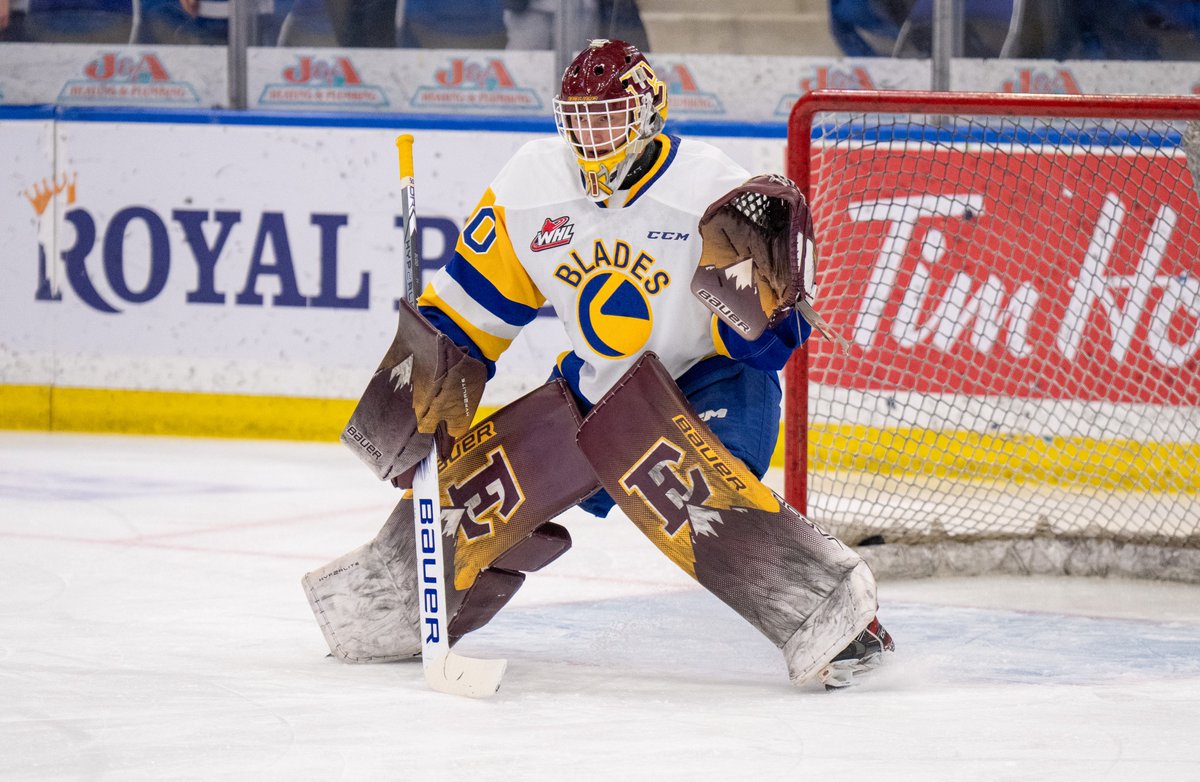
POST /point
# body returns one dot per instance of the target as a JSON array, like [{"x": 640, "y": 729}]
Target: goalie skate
[{"x": 865, "y": 653}]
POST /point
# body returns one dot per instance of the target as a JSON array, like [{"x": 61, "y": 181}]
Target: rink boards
[
  {"x": 196, "y": 272},
  {"x": 234, "y": 274}
]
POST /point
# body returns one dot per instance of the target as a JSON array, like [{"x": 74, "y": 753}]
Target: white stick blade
[{"x": 468, "y": 676}]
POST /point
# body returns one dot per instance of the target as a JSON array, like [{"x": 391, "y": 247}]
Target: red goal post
[{"x": 1018, "y": 277}]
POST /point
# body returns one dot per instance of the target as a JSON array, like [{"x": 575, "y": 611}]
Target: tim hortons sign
[{"x": 1050, "y": 275}]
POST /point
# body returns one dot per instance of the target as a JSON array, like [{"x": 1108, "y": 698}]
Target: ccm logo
[{"x": 667, "y": 235}]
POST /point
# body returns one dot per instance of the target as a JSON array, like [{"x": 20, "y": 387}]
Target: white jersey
[{"x": 617, "y": 273}]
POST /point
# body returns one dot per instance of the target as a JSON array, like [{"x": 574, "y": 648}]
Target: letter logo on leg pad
[
  {"x": 657, "y": 478},
  {"x": 489, "y": 494},
  {"x": 710, "y": 515}
]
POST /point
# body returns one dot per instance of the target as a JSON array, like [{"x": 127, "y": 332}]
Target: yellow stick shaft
[{"x": 408, "y": 205}]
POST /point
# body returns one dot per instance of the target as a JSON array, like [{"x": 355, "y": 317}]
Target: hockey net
[{"x": 1018, "y": 278}]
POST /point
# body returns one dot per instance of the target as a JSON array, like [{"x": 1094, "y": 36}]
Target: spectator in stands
[
  {"x": 1134, "y": 30},
  {"x": 533, "y": 24},
  {"x": 79, "y": 21},
  {"x": 12, "y": 19},
  {"x": 867, "y": 28},
  {"x": 1051, "y": 29},
  {"x": 363, "y": 23},
  {"x": 620, "y": 20},
  {"x": 991, "y": 28},
  {"x": 453, "y": 24},
  {"x": 305, "y": 23},
  {"x": 200, "y": 22}
]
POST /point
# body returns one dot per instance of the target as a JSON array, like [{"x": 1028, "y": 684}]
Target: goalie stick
[{"x": 444, "y": 670}]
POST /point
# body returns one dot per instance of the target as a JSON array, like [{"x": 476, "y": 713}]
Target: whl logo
[
  {"x": 317, "y": 81},
  {"x": 470, "y": 84},
  {"x": 117, "y": 78},
  {"x": 554, "y": 233}
]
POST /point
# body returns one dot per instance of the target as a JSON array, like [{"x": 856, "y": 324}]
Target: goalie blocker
[
  {"x": 425, "y": 387},
  {"x": 803, "y": 589},
  {"x": 500, "y": 483}
]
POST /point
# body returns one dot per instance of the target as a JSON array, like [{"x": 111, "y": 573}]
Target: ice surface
[{"x": 152, "y": 626}]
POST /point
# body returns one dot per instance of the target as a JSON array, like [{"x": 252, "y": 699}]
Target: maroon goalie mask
[{"x": 610, "y": 105}]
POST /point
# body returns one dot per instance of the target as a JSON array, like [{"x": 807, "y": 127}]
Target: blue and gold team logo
[{"x": 614, "y": 315}]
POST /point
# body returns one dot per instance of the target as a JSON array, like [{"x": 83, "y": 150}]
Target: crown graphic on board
[{"x": 44, "y": 191}]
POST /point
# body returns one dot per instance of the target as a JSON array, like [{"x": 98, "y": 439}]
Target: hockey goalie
[{"x": 684, "y": 284}]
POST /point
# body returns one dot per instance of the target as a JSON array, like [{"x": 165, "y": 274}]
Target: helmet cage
[{"x": 607, "y": 137}]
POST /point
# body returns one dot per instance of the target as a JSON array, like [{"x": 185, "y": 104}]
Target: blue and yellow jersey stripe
[
  {"x": 770, "y": 351},
  {"x": 667, "y": 147},
  {"x": 568, "y": 366},
  {"x": 718, "y": 340},
  {"x": 489, "y": 307}
]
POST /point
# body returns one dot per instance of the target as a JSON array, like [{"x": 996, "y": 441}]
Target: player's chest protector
[{"x": 618, "y": 279}]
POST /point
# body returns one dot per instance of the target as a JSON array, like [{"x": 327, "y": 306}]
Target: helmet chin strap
[{"x": 642, "y": 164}]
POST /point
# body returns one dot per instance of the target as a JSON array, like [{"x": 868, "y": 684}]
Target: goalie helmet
[{"x": 609, "y": 106}]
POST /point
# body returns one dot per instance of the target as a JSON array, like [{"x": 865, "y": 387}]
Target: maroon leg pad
[
  {"x": 704, "y": 509},
  {"x": 492, "y": 590},
  {"x": 496, "y": 585},
  {"x": 508, "y": 476},
  {"x": 544, "y": 545},
  {"x": 501, "y": 484}
]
